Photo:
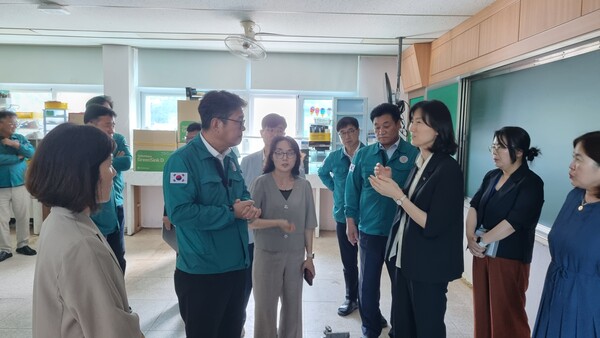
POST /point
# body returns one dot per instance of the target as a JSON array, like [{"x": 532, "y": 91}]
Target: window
[
  {"x": 76, "y": 100},
  {"x": 159, "y": 112},
  {"x": 282, "y": 105},
  {"x": 29, "y": 101}
]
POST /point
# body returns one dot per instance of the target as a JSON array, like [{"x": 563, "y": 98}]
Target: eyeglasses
[
  {"x": 241, "y": 122},
  {"x": 11, "y": 122},
  {"x": 496, "y": 147},
  {"x": 287, "y": 154},
  {"x": 347, "y": 132}
]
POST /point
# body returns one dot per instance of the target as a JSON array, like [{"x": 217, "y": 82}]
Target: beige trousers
[
  {"x": 20, "y": 200},
  {"x": 277, "y": 276}
]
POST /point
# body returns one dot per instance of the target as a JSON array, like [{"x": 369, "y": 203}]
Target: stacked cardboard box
[
  {"x": 152, "y": 148},
  {"x": 187, "y": 112}
]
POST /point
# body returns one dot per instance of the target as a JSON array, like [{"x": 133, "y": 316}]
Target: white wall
[
  {"x": 51, "y": 64},
  {"x": 371, "y": 83}
]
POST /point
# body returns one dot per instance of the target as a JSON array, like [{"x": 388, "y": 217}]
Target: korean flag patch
[{"x": 179, "y": 178}]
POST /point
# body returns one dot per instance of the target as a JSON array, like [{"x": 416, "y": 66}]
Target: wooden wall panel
[
  {"x": 410, "y": 69},
  {"x": 441, "y": 57},
  {"x": 590, "y": 6},
  {"x": 588, "y": 25},
  {"x": 540, "y": 15},
  {"x": 473, "y": 21},
  {"x": 499, "y": 30},
  {"x": 465, "y": 47},
  {"x": 423, "y": 52},
  {"x": 415, "y": 66}
]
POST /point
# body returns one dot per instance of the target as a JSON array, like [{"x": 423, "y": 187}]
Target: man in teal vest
[
  {"x": 206, "y": 197},
  {"x": 14, "y": 150},
  {"x": 333, "y": 174},
  {"x": 110, "y": 217},
  {"x": 375, "y": 212}
]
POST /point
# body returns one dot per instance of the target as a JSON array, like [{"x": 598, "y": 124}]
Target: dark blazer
[
  {"x": 519, "y": 201},
  {"x": 434, "y": 254}
]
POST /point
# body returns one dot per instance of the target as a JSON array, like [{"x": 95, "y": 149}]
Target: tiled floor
[{"x": 149, "y": 279}]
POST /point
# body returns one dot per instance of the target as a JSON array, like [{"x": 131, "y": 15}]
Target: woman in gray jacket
[
  {"x": 283, "y": 241},
  {"x": 78, "y": 286}
]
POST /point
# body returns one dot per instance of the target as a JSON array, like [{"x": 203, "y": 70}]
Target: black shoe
[
  {"x": 27, "y": 251},
  {"x": 384, "y": 323},
  {"x": 5, "y": 255},
  {"x": 347, "y": 308}
]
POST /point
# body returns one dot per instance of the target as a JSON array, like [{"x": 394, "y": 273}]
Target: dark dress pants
[
  {"x": 372, "y": 253},
  {"x": 349, "y": 254},
  {"x": 418, "y": 308},
  {"x": 248, "y": 288},
  {"x": 116, "y": 240},
  {"x": 211, "y": 306}
]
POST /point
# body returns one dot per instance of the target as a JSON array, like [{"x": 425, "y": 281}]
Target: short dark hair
[
  {"x": 273, "y": 120},
  {"x": 194, "y": 126},
  {"x": 218, "y": 105},
  {"x": 102, "y": 99},
  {"x": 6, "y": 113},
  {"x": 437, "y": 116},
  {"x": 516, "y": 138},
  {"x": 386, "y": 108},
  {"x": 590, "y": 142},
  {"x": 346, "y": 121},
  {"x": 95, "y": 111},
  {"x": 66, "y": 176},
  {"x": 270, "y": 165}
]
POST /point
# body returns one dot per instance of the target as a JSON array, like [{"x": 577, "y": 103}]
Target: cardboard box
[
  {"x": 76, "y": 118},
  {"x": 187, "y": 112},
  {"x": 152, "y": 148}
]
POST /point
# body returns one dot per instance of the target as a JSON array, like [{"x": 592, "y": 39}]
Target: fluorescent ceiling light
[{"x": 52, "y": 8}]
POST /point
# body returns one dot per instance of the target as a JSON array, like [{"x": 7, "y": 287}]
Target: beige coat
[{"x": 78, "y": 288}]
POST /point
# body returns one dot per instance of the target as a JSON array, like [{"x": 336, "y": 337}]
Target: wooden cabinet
[
  {"x": 499, "y": 30},
  {"x": 540, "y": 15}
]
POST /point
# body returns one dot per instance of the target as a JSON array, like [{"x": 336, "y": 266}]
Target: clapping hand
[
  {"x": 380, "y": 170},
  {"x": 386, "y": 186}
]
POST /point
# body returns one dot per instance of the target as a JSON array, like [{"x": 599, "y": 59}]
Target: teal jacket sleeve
[
  {"x": 26, "y": 150},
  {"x": 183, "y": 200},
  {"x": 354, "y": 183},
  {"x": 122, "y": 163},
  {"x": 325, "y": 172}
]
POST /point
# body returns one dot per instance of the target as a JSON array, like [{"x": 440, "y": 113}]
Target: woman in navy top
[{"x": 569, "y": 305}]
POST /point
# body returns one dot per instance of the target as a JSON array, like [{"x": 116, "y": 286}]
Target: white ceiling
[{"x": 334, "y": 26}]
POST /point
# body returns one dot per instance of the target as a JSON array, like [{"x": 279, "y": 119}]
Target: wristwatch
[
  {"x": 481, "y": 243},
  {"x": 400, "y": 200},
  {"x": 311, "y": 256}
]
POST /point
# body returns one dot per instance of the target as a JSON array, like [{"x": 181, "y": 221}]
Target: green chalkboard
[
  {"x": 555, "y": 103},
  {"x": 449, "y": 95},
  {"x": 414, "y": 100}
]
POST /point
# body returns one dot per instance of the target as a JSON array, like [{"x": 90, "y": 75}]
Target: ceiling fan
[{"x": 246, "y": 46}]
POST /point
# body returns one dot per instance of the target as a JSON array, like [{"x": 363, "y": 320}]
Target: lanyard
[{"x": 222, "y": 170}]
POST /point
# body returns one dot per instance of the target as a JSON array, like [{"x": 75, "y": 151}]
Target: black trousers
[
  {"x": 418, "y": 308},
  {"x": 248, "y": 287},
  {"x": 349, "y": 254},
  {"x": 211, "y": 306}
]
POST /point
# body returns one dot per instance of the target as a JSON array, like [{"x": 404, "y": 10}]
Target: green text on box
[{"x": 151, "y": 160}]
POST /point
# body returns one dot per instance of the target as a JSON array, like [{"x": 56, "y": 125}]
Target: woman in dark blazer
[
  {"x": 500, "y": 233},
  {"x": 425, "y": 242}
]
